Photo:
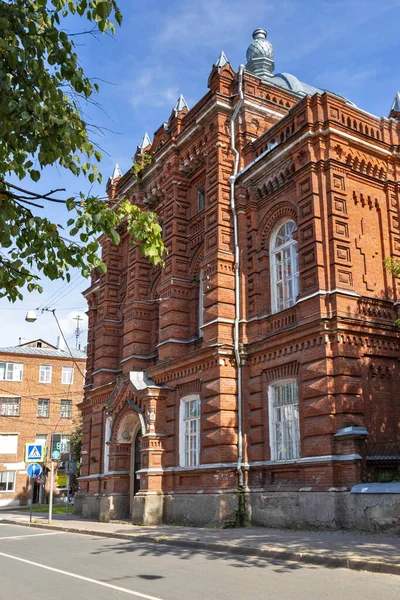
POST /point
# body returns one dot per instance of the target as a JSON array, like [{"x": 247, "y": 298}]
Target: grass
[{"x": 58, "y": 509}]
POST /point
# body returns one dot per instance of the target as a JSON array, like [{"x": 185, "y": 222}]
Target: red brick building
[
  {"x": 40, "y": 389},
  {"x": 250, "y": 370}
]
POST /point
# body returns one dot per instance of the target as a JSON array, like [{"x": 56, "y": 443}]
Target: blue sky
[{"x": 167, "y": 47}]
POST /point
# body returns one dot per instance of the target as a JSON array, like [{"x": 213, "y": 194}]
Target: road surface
[{"x": 38, "y": 564}]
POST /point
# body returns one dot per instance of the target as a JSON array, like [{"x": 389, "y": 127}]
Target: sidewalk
[{"x": 353, "y": 550}]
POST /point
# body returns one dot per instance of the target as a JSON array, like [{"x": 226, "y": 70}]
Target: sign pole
[
  {"x": 69, "y": 481},
  {"x": 33, "y": 489},
  {"x": 51, "y": 492}
]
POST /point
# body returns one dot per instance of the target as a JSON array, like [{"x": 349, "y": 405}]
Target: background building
[
  {"x": 40, "y": 387},
  {"x": 243, "y": 379}
]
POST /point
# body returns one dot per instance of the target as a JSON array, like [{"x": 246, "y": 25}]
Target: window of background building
[
  {"x": 67, "y": 377},
  {"x": 8, "y": 443},
  {"x": 284, "y": 421},
  {"x": 10, "y": 407},
  {"x": 45, "y": 374},
  {"x": 66, "y": 409},
  {"x": 43, "y": 407},
  {"x": 201, "y": 199},
  {"x": 65, "y": 445},
  {"x": 284, "y": 267},
  {"x": 190, "y": 431},
  {"x": 11, "y": 371},
  {"x": 7, "y": 481},
  {"x": 201, "y": 303},
  {"x": 41, "y": 438}
]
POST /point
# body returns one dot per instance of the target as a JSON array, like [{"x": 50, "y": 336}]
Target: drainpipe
[{"x": 232, "y": 180}]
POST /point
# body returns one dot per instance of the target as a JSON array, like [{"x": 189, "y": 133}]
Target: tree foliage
[{"x": 42, "y": 87}]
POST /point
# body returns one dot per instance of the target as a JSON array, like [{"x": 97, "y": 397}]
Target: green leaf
[{"x": 35, "y": 175}]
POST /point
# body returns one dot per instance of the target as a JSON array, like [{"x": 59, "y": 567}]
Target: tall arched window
[{"x": 284, "y": 266}]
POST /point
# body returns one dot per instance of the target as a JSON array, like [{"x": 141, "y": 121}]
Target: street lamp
[{"x": 31, "y": 316}]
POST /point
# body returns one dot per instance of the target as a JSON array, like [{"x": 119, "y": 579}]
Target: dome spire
[
  {"x": 395, "y": 110},
  {"x": 260, "y": 55}
]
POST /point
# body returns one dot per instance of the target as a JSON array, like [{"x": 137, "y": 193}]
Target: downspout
[{"x": 232, "y": 180}]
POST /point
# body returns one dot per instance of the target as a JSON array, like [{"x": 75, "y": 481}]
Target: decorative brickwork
[{"x": 313, "y": 159}]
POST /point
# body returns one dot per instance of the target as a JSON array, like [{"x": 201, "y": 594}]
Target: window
[
  {"x": 201, "y": 303},
  {"x": 43, "y": 407},
  {"x": 65, "y": 446},
  {"x": 11, "y": 371},
  {"x": 201, "y": 199},
  {"x": 7, "y": 481},
  {"x": 190, "y": 432},
  {"x": 41, "y": 439},
  {"x": 9, "y": 407},
  {"x": 284, "y": 421},
  {"x": 45, "y": 374},
  {"x": 66, "y": 409},
  {"x": 284, "y": 267},
  {"x": 38, "y": 344},
  {"x": 67, "y": 375},
  {"x": 8, "y": 443}
]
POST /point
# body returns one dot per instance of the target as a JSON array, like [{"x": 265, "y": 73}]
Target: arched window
[{"x": 284, "y": 266}]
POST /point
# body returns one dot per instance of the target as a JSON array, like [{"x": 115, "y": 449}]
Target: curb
[{"x": 356, "y": 563}]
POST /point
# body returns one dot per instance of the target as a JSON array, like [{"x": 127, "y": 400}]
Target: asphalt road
[{"x": 36, "y": 564}]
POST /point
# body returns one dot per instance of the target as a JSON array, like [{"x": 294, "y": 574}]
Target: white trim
[
  {"x": 266, "y": 110},
  {"x": 218, "y": 320},
  {"x": 300, "y": 139},
  {"x": 138, "y": 356},
  {"x": 360, "y": 141},
  {"x": 97, "y": 476},
  {"x": 175, "y": 341},
  {"x": 106, "y": 371}
]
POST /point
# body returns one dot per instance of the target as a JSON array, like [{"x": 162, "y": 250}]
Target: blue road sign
[
  {"x": 33, "y": 470},
  {"x": 34, "y": 452}
]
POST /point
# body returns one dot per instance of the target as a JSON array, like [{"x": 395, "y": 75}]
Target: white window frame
[
  {"x": 292, "y": 247},
  {"x": 292, "y": 450},
  {"x": 67, "y": 371},
  {"x": 11, "y": 442},
  {"x": 65, "y": 414},
  {"x": 188, "y": 458},
  {"x": 11, "y": 400},
  {"x": 39, "y": 407},
  {"x": 44, "y": 371},
  {"x": 8, "y": 475},
  {"x": 201, "y": 303},
  {"x": 65, "y": 443},
  {"x": 12, "y": 368}
]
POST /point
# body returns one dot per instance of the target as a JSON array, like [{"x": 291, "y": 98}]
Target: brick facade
[
  {"x": 333, "y": 170},
  {"x": 29, "y": 423}
]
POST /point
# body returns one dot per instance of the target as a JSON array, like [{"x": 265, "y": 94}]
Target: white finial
[
  {"x": 221, "y": 60},
  {"x": 396, "y": 103},
  {"x": 145, "y": 143},
  {"x": 117, "y": 173},
  {"x": 180, "y": 104}
]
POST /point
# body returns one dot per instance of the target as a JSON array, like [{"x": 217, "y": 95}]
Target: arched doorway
[{"x": 129, "y": 434}]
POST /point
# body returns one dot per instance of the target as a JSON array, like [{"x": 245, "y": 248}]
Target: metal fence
[{"x": 380, "y": 461}]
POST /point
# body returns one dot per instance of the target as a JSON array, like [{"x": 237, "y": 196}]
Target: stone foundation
[
  {"x": 297, "y": 510},
  {"x": 103, "y": 507}
]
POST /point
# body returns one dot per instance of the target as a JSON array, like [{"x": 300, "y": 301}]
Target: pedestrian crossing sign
[{"x": 34, "y": 453}]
